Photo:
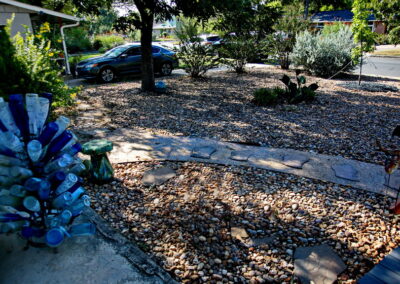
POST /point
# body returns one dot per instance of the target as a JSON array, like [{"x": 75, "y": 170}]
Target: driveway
[{"x": 381, "y": 66}]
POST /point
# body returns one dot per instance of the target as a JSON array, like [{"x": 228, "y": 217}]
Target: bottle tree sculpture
[{"x": 41, "y": 189}]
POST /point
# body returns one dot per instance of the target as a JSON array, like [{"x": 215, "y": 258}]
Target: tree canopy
[{"x": 389, "y": 12}]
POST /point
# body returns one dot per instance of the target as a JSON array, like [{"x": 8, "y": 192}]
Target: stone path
[
  {"x": 133, "y": 146},
  {"x": 106, "y": 257},
  {"x": 385, "y": 272}
]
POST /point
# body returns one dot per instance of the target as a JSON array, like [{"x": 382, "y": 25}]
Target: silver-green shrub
[{"x": 324, "y": 54}]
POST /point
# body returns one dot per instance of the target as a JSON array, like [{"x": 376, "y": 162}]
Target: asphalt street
[{"x": 381, "y": 66}]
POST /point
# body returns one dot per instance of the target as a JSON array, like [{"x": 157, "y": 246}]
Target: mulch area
[
  {"x": 214, "y": 224},
  {"x": 340, "y": 122}
]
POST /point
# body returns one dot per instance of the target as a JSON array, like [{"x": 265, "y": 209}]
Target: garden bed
[
  {"x": 191, "y": 224},
  {"x": 340, "y": 122}
]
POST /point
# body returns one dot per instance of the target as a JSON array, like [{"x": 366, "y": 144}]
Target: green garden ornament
[{"x": 101, "y": 170}]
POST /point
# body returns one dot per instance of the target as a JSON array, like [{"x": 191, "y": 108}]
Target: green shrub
[
  {"x": 297, "y": 93},
  {"x": 239, "y": 51},
  {"x": 381, "y": 39},
  {"x": 77, "y": 40},
  {"x": 197, "y": 58},
  {"x": 267, "y": 97},
  {"x": 74, "y": 60},
  {"x": 333, "y": 28},
  {"x": 324, "y": 55},
  {"x": 12, "y": 73},
  {"x": 105, "y": 42},
  {"x": 35, "y": 55}
]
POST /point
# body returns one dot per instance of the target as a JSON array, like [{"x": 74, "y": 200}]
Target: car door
[
  {"x": 157, "y": 56},
  {"x": 131, "y": 60}
]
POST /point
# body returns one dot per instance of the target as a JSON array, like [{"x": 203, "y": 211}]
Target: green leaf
[
  {"x": 285, "y": 80},
  {"x": 313, "y": 87},
  {"x": 301, "y": 80}
]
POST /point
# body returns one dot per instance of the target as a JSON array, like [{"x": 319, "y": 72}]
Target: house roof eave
[{"x": 41, "y": 10}]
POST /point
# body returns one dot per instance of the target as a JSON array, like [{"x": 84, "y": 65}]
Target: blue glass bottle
[
  {"x": 7, "y": 118},
  {"x": 43, "y": 113},
  {"x": 54, "y": 237},
  {"x": 59, "y": 164},
  {"x": 76, "y": 194},
  {"x": 69, "y": 181},
  {"x": 73, "y": 150},
  {"x": 63, "y": 200},
  {"x": 16, "y": 104},
  {"x": 33, "y": 184},
  {"x": 48, "y": 133},
  {"x": 32, "y": 204},
  {"x": 85, "y": 229},
  {"x": 32, "y": 109},
  {"x": 78, "y": 206},
  {"x": 17, "y": 190},
  {"x": 44, "y": 190},
  {"x": 58, "y": 143},
  {"x": 57, "y": 178},
  {"x": 34, "y": 149}
]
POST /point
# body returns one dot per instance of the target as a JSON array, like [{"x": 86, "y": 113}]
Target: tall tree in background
[
  {"x": 141, "y": 15},
  {"x": 389, "y": 12},
  {"x": 246, "y": 17},
  {"x": 363, "y": 35}
]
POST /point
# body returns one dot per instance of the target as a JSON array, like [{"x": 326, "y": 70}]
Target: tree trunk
[
  {"x": 147, "y": 56},
  {"x": 361, "y": 63},
  {"x": 306, "y": 7}
]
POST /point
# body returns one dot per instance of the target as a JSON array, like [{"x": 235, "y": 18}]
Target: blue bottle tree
[{"x": 41, "y": 189}]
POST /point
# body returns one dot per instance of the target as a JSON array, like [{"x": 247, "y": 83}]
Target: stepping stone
[
  {"x": 241, "y": 156},
  {"x": 256, "y": 242},
  {"x": 204, "y": 152},
  {"x": 393, "y": 182},
  {"x": 239, "y": 233},
  {"x": 158, "y": 176},
  {"x": 346, "y": 171},
  {"x": 318, "y": 264},
  {"x": 295, "y": 160}
]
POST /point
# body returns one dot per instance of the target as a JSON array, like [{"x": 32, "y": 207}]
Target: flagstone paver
[
  {"x": 295, "y": 161},
  {"x": 158, "y": 176},
  {"x": 204, "y": 152},
  {"x": 318, "y": 264},
  {"x": 133, "y": 146},
  {"x": 346, "y": 171}
]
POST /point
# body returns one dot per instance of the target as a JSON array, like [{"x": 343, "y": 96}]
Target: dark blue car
[{"x": 123, "y": 60}]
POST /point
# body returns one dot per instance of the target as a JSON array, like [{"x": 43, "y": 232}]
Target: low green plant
[
  {"x": 267, "y": 96},
  {"x": 196, "y": 57},
  {"x": 34, "y": 55},
  {"x": 298, "y": 92},
  {"x": 105, "y": 42},
  {"x": 239, "y": 51},
  {"x": 74, "y": 60},
  {"x": 12, "y": 72},
  {"x": 77, "y": 40},
  {"x": 324, "y": 54}
]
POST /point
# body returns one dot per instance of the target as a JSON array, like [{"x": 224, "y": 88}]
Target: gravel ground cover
[
  {"x": 214, "y": 224},
  {"x": 341, "y": 122}
]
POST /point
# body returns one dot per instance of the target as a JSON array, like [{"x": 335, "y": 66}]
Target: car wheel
[
  {"x": 107, "y": 75},
  {"x": 166, "y": 69}
]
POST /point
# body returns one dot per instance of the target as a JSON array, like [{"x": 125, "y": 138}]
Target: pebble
[{"x": 198, "y": 237}]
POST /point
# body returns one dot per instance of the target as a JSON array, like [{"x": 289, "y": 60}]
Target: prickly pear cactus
[{"x": 41, "y": 189}]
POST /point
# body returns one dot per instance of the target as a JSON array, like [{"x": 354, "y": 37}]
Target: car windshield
[
  {"x": 117, "y": 51},
  {"x": 213, "y": 38}
]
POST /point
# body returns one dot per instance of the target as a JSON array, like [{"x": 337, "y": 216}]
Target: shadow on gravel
[{"x": 188, "y": 221}]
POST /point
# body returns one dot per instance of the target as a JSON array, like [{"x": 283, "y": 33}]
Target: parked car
[
  {"x": 213, "y": 40},
  {"x": 123, "y": 60}
]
